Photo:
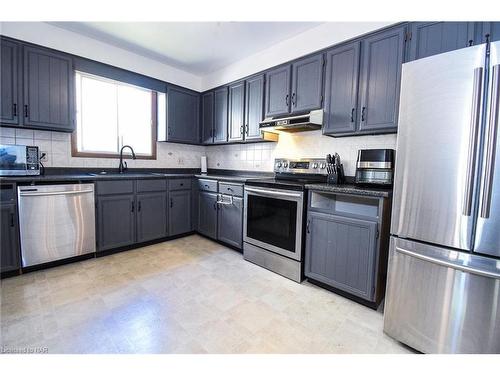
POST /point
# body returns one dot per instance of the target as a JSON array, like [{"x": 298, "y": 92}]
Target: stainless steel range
[{"x": 274, "y": 216}]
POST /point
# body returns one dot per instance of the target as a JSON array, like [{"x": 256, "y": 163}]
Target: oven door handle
[{"x": 273, "y": 193}]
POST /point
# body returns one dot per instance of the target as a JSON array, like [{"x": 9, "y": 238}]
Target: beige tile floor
[{"x": 189, "y": 295}]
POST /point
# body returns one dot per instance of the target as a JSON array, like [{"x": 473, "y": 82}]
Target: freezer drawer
[
  {"x": 56, "y": 222},
  {"x": 442, "y": 301}
]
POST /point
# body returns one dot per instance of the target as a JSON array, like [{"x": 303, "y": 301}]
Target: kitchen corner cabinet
[
  {"x": 295, "y": 88},
  {"x": 236, "y": 127},
  {"x": 207, "y": 214},
  {"x": 432, "y": 38},
  {"x": 362, "y": 84},
  {"x": 179, "y": 212},
  {"x": 183, "y": 115},
  {"x": 9, "y": 56},
  {"x": 220, "y": 115},
  {"x": 9, "y": 240},
  {"x": 230, "y": 221},
  {"x": 207, "y": 117}
]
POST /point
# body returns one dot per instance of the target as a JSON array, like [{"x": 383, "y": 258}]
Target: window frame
[{"x": 111, "y": 155}]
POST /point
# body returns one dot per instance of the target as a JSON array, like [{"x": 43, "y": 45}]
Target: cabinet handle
[
  {"x": 307, "y": 226},
  {"x": 133, "y": 207},
  {"x": 352, "y": 114},
  {"x": 171, "y": 203},
  {"x": 242, "y": 127},
  {"x": 294, "y": 102},
  {"x": 14, "y": 110},
  {"x": 363, "y": 113},
  {"x": 246, "y": 126},
  {"x": 12, "y": 219},
  {"x": 139, "y": 206},
  {"x": 26, "y": 113},
  {"x": 286, "y": 99},
  {"x": 215, "y": 205}
]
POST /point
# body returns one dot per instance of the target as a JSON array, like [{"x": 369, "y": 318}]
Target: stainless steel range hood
[{"x": 293, "y": 124}]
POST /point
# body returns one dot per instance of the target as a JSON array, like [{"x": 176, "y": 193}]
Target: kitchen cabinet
[
  {"x": 9, "y": 238},
  {"x": 307, "y": 84},
  {"x": 236, "y": 127},
  {"x": 207, "y": 214},
  {"x": 9, "y": 108},
  {"x": 342, "y": 72},
  {"x": 230, "y": 221},
  {"x": 492, "y": 29},
  {"x": 254, "y": 106},
  {"x": 183, "y": 115},
  {"x": 341, "y": 252},
  {"x": 179, "y": 212},
  {"x": 48, "y": 90},
  {"x": 220, "y": 115},
  {"x": 115, "y": 221},
  {"x": 207, "y": 117},
  {"x": 151, "y": 216},
  {"x": 278, "y": 91},
  {"x": 362, "y": 84},
  {"x": 432, "y": 38}
]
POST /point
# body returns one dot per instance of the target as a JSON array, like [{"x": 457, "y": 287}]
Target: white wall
[
  {"x": 64, "y": 40},
  {"x": 314, "y": 39}
]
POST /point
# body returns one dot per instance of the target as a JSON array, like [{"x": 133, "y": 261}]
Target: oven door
[{"x": 273, "y": 220}]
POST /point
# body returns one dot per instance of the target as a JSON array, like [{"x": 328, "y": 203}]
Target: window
[{"x": 111, "y": 114}]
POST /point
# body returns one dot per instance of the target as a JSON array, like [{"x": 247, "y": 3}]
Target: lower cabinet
[
  {"x": 115, "y": 221},
  {"x": 207, "y": 214},
  {"x": 151, "y": 216},
  {"x": 341, "y": 252},
  {"x": 179, "y": 212},
  {"x": 9, "y": 240},
  {"x": 230, "y": 221}
]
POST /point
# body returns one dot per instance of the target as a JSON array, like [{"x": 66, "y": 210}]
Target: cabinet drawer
[
  {"x": 207, "y": 185},
  {"x": 7, "y": 193},
  {"x": 179, "y": 184},
  {"x": 115, "y": 187},
  {"x": 144, "y": 186},
  {"x": 231, "y": 189}
]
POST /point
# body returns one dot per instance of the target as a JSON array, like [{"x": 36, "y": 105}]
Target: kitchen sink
[{"x": 123, "y": 175}]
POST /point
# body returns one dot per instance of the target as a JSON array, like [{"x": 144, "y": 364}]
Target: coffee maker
[{"x": 375, "y": 167}]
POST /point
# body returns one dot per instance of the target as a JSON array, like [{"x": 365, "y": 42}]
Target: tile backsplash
[{"x": 253, "y": 156}]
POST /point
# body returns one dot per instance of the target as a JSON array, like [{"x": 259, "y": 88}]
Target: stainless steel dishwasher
[{"x": 56, "y": 222}]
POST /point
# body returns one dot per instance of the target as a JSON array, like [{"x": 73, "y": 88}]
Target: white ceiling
[{"x": 197, "y": 47}]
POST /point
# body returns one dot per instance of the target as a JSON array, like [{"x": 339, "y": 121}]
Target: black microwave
[{"x": 18, "y": 160}]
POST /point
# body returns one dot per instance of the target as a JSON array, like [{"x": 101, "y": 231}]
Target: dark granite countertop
[
  {"x": 352, "y": 189},
  {"x": 230, "y": 178}
]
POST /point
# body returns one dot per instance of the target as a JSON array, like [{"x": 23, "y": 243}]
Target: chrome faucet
[{"x": 123, "y": 164}]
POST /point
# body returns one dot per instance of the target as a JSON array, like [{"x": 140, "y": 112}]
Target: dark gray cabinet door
[
  {"x": 432, "y": 38},
  {"x": 484, "y": 29},
  {"x": 151, "y": 216},
  {"x": 207, "y": 214},
  {"x": 307, "y": 84},
  {"x": 341, "y": 89},
  {"x": 341, "y": 252},
  {"x": 9, "y": 100},
  {"x": 207, "y": 117},
  {"x": 183, "y": 113},
  {"x": 383, "y": 55},
  {"x": 220, "y": 118},
  {"x": 115, "y": 221},
  {"x": 236, "y": 111},
  {"x": 179, "y": 212},
  {"x": 230, "y": 222},
  {"x": 48, "y": 90},
  {"x": 254, "y": 106},
  {"x": 9, "y": 241},
  {"x": 278, "y": 91}
]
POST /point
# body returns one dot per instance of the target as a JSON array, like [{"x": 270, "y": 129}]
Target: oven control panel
[{"x": 299, "y": 166}]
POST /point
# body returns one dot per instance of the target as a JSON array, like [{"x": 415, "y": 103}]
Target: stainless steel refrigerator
[{"x": 443, "y": 287}]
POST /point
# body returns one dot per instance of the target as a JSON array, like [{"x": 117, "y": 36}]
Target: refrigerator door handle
[
  {"x": 491, "y": 144},
  {"x": 439, "y": 262},
  {"x": 474, "y": 128}
]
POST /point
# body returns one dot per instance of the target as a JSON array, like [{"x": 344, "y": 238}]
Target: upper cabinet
[
  {"x": 432, "y": 38},
  {"x": 207, "y": 117},
  {"x": 295, "y": 88},
  {"x": 362, "y": 84},
  {"x": 183, "y": 114},
  {"x": 9, "y": 107},
  {"x": 48, "y": 90},
  {"x": 490, "y": 30},
  {"x": 220, "y": 115},
  {"x": 37, "y": 87},
  {"x": 254, "y": 107},
  {"x": 236, "y": 128}
]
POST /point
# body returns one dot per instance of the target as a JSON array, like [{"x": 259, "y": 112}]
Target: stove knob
[
  {"x": 315, "y": 165},
  {"x": 285, "y": 165},
  {"x": 278, "y": 164},
  {"x": 323, "y": 166}
]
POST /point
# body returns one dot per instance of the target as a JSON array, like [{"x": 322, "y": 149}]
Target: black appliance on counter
[{"x": 375, "y": 167}]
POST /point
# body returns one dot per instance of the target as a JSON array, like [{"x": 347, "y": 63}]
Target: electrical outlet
[{"x": 44, "y": 156}]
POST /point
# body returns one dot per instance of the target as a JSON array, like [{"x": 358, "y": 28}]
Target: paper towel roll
[{"x": 203, "y": 164}]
